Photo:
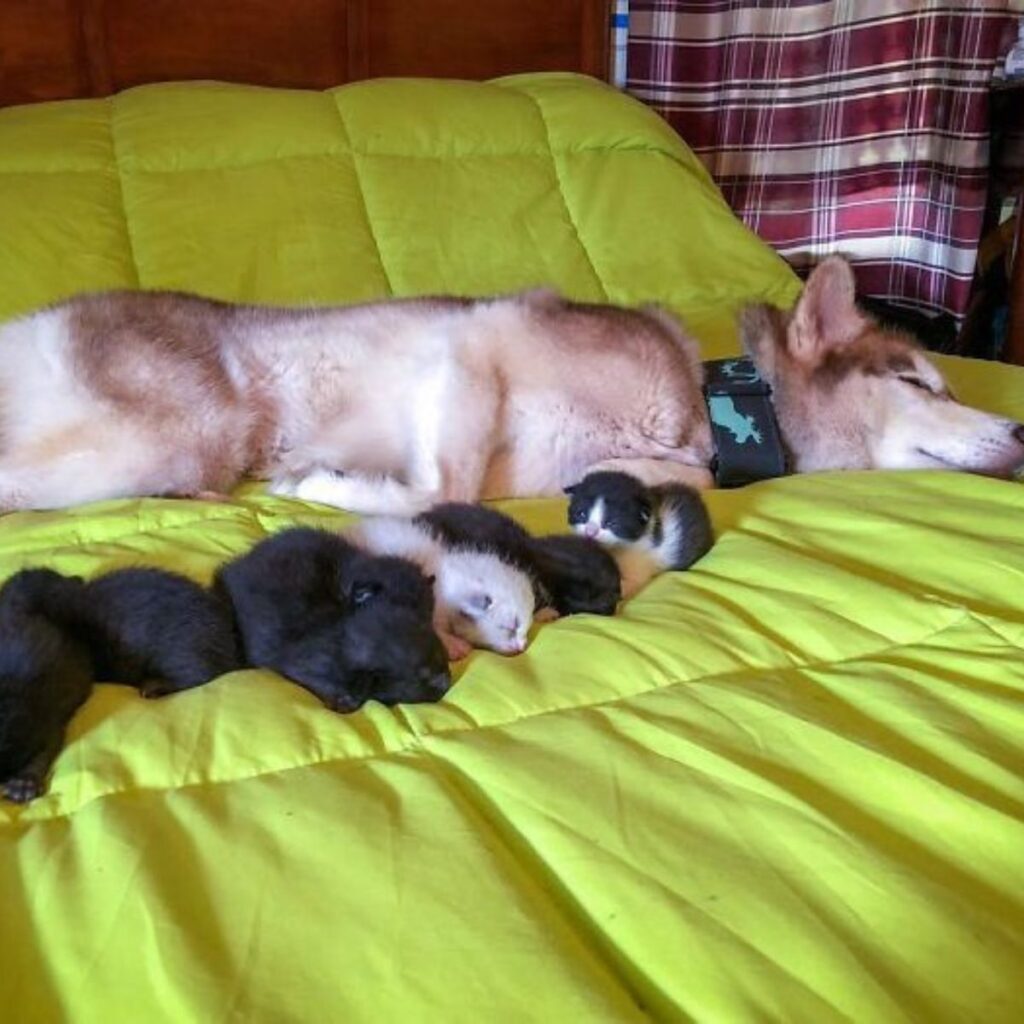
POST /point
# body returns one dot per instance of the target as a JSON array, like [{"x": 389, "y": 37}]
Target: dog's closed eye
[{"x": 916, "y": 382}]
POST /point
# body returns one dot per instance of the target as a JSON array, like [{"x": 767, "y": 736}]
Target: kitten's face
[
  {"x": 611, "y": 508},
  {"x": 392, "y": 655},
  {"x": 494, "y": 613}
]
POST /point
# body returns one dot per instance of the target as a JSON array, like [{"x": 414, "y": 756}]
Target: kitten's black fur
[
  {"x": 635, "y": 513},
  {"x": 145, "y": 627},
  {"x": 45, "y": 676},
  {"x": 348, "y": 626},
  {"x": 573, "y": 575},
  {"x": 578, "y": 574}
]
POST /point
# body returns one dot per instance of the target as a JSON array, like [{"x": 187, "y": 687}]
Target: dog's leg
[
  {"x": 451, "y": 440},
  {"x": 652, "y": 472},
  {"x": 356, "y": 492}
]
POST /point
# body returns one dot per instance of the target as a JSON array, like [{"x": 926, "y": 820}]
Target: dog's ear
[
  {"x": 827, "y": 313},
  {"x": 362, "y": 591},
  {"x": 570, "y": 490},
  {"x": 473, "y": 605},
  {"x": 762, "y": 331}
]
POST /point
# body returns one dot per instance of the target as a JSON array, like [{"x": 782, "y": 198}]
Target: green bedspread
[{"x": 787, "y": 785}]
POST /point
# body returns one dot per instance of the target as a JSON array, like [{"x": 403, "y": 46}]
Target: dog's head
[{"x": 852, "y": 395}]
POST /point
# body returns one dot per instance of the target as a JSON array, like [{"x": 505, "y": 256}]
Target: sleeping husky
[{"x": 391, "y": 407}]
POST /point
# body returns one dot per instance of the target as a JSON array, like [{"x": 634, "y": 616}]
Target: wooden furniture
[
  {"x": 1008, "y": 177},
  {"x": 62, "y": 49},
  {"x": 999, "y": 282}
]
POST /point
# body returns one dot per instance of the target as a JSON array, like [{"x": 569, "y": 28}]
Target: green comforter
[{"x": 786, "y": 785}]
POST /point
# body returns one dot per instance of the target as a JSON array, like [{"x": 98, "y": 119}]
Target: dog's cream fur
[{"x": 390, "y": 407}]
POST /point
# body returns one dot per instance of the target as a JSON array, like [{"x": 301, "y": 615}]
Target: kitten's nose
[
  {"x": 591, "y": 530},
  {"x": 436, "y": 681}
]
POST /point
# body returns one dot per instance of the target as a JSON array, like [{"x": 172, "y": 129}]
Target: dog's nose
[{"x": 591, "y": 530}]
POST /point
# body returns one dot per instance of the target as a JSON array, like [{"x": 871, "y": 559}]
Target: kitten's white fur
[
  {"x": 480, "y": 599},
  {"x": 640, "y": 560}
]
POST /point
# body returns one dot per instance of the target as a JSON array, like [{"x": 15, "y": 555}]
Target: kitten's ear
[
  {"x": 474, "y": 605},
  {"x": 431, "y": 580},
  {"x": 363, "y": 591}
]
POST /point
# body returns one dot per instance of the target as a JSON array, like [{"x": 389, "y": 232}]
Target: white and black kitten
[
  {"x": 571, "y": 575},
  {"x": 647, "y": 529},
  {"x": 481, "y": 598}
]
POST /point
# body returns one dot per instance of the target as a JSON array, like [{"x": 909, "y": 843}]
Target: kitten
[
  {"x": 579, "y": 575},
  {"x": 347, "y": 626},
  {"x": 45, "y": 676},
  {"x": 648, "y": 529},
  {"x": 482, "y": 600},
  {"x": 156, "y": 630},
  {"x": 571, "y": 575}
]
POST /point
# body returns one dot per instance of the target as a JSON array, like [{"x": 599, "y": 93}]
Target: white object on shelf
[{"x": 1015, "y": 58}]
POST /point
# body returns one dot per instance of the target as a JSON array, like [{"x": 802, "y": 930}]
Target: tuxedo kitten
[
  {"x": 571, "y": 575},
  {"x": 647, "y": 529},
  {"x": 347, "y": 626},
  {"x": 482, "y": 600},
  {"x": 45, "y": 676}
]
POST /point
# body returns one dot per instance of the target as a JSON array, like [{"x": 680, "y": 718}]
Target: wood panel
[{"x": 59, "y": 49}]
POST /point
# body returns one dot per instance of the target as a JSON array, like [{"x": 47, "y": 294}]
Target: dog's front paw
[{"x": 20, "y": 789}]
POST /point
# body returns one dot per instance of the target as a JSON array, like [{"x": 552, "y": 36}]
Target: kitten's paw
[
  {"x": 545, "y": 615},
  {"x": 20, "y": 789},
  {"x": 151, "y": 689},
  {"x": 456, "y": 647}
]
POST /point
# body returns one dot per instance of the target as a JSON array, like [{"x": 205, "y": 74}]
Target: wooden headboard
[{"x": 61, "y": 49}]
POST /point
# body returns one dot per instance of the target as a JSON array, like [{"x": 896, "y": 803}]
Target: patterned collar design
[{"x": 748, "y": 446}]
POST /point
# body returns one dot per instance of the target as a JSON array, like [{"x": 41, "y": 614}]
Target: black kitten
[
  {"x": 45, "y": 676},
  {"x": 649, "y": 529},
  {"x": 157, "y": 630},
  {"x": 149, "y": 628},
  {"x": 572, "y": 575},
  {"x": 578, "y": 574},
  {"x": 348, "y": 626}
]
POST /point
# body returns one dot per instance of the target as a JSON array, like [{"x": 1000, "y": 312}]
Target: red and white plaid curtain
[{"x": 850, "y": 126}]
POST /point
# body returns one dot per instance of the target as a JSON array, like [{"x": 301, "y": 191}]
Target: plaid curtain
[{"x": 851, "y": 126}]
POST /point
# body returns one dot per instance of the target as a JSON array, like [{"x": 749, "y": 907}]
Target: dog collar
[{"x": 748, "y": 445}]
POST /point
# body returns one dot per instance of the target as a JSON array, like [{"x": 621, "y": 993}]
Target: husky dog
[
  {"x": 481, "y": 599},
  {"x": 347, "y": 626},
  {"x": 648, "y": 529},
  {"x": 392, "y": 407},
  {"x": 45, "y": 676},
  {"x": 571, "y": 575}
]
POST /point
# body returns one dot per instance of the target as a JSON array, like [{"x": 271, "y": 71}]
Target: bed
[{"x": 786, "y": 785}]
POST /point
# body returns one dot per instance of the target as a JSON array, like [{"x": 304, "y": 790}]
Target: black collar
[{"x": 748, "y": 446}]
